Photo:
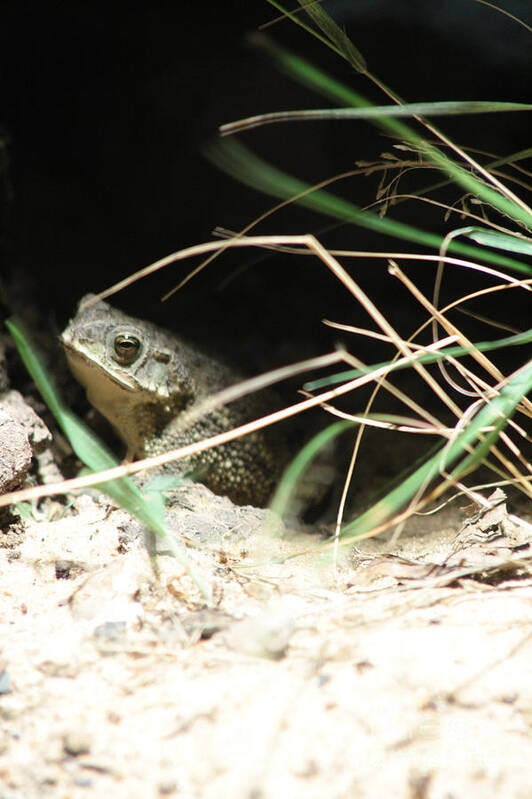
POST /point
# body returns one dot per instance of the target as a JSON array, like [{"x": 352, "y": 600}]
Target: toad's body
[{"x": 145, "y": 381}]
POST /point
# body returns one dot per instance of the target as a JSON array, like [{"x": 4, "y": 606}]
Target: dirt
[{"x": 400, "y": 674}]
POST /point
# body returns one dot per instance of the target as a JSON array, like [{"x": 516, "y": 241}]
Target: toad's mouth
[{"x": 93, "y": 376}]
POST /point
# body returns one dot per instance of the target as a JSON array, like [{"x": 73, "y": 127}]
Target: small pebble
[
  {"x": 166, "y": 787},
  {"x": 77, "y": 742},
  {"x": 5, "y": 682},
  {"x": 110, "y": 630}
]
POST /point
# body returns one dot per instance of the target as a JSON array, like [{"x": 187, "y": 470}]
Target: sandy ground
[{"x": 404, "y": 675}]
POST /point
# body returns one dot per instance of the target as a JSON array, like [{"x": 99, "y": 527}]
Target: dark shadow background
[{"x": 107, "y": 109}]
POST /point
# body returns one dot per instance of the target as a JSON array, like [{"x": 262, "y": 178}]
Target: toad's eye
[{"x": 127, "y": 349}]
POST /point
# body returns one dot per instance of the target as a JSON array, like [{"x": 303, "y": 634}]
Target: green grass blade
[
  {"x": 502, "y": 241},
  {"x": 332, "y": 35},
  {"x": 319, "y": 81},
  {"x": 296, "y": 18},
  {"x": 237, "y": 160},
  {"x": 428, "y": 109},
  {"x": 297, "y": 468},
  {"x": 494, "y": 414},
  {"x": 335, "y": 35},
  {"x": 454, "y": 351},
  {"x": 93, "y": 453},
  {"x": 522, "y": 155}
]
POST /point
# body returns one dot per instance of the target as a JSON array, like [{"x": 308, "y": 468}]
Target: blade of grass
[
  {"x": 314, "y": 78},
  {"x": 442, "y": 108},
  {"x": 494, "y": 414},
  {"x": 339, "y": 44},
  {"x": 502, "y": 241},
  {"x": 335, "y": 35},
  {"x": 431, "y": 357},
  {"x": 488, "y": 178},
  {"x": 302, "y": 24},
  {"x": 237, "y": 160},
  {"x": 300, "y": 464}
]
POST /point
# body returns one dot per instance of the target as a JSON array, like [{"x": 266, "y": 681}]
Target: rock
[
  {"x": 203, "y": 624},
  {"x": 77, "y": 742},
  {"x": 111, "y": 630},
  {"x": 15, "y": 451},
  {"x": 22, "y": 434},
  {"x": 38, "y": 434},
  {"x": 266, "y": 635},
  {"x": 5, "y": 682},
  {"x": 167, "y": 787}
]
